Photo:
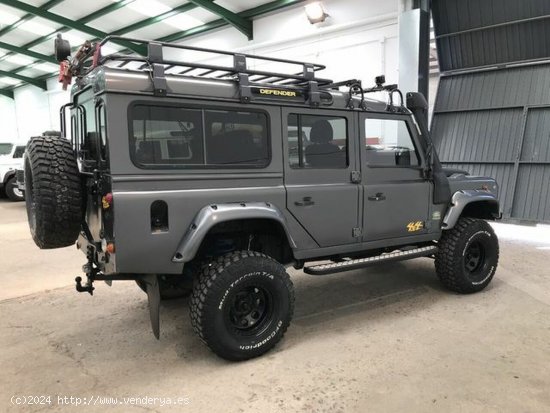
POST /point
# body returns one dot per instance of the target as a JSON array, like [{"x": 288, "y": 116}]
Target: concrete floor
[{"x": 387, "y": 339}]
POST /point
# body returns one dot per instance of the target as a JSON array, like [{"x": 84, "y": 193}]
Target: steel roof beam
[
  {"x": 7, "y": 93},
  {"x": 106, "y": 10},
  {"x": 248, "y": 14},
  {"x": 98, "y": 13},
  {"x": 155, "y": 19},
  {"x": 35, "y": 82},
  {"x": 76, "y": 25},
  {"x": 27, "y": 52},
  {"x": 46, "y": 6},
  {"x": 241, "y": 23}
]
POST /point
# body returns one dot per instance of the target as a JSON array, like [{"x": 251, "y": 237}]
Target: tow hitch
[{"x": 93, "y": 273}]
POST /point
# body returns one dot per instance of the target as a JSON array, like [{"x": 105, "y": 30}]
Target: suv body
[
  {"x": 178, "y": 170},
  {"x": 11, "y": 159}
]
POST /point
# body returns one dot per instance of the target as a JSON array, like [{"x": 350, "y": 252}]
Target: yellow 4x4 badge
[{"x": 415, "y": 226}]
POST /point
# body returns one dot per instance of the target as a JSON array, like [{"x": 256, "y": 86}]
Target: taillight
[
  {"x": 110, "y": 248},
  {"x": 107, "y": 200}
]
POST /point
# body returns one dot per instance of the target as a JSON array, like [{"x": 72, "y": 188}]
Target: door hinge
[
  {"x": 357, "y": 232},
  {"x": 355, "y": 177}
]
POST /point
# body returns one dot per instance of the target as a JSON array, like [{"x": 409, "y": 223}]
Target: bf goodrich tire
[
  {"x": 242, "y": 304},
  {"x": 53, "y": 192},
  {"x": 468, "y": 256},
  {"x": 12, "y": 191}
]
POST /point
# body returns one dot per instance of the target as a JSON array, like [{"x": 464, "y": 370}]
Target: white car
[{"x": 11, "y": 159}]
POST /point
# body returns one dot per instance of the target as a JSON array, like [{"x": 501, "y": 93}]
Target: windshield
[{"x": 5, "y": 148}]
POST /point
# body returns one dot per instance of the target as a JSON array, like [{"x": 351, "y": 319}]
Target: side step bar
[{"x": 335, "y": 267}]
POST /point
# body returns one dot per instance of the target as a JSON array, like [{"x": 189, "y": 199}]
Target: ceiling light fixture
[{"x": 315, "y": 12}]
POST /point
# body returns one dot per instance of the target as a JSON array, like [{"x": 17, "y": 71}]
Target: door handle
[
  {"x": 378, "y": 197},
  {"x": 306, "y": 202}
]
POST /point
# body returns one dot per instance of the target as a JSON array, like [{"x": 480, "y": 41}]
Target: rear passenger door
[{"x": 318, "y": 148}]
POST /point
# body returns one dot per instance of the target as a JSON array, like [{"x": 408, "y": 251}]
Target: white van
[{"x": 11, "y": 159}]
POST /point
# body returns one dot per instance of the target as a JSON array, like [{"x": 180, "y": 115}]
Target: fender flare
[
  {"x": 10, "y": 173},
  {"x": 463, "y": 198},
  {"x": 211, "y": 215}
]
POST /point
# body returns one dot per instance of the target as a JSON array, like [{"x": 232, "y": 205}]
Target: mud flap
[{"x": 153, "y": 296}]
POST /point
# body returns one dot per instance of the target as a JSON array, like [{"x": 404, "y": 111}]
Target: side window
[
  {"x": 317, "y": 141},
  {"x": 167, "y": 136},
  {"x": 389, "y": 143},
  {"x": 5, "y": 148},
  {"x": 89, "y": 133},
  {"x": 236, "y": 138},
  {"x": 74, "y": 131},
  {"x": 19, "y": 151},
  {"x": 179, "y": 137},
  {"x": 102, "y": 130}
]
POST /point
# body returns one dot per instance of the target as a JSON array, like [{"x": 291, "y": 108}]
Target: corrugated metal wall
[{"x": 496, "y": 120}]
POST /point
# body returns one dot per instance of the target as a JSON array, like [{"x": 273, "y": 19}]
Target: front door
[
  {"x": 318, "y": 149},
  {"x": 396, "y": 196}
]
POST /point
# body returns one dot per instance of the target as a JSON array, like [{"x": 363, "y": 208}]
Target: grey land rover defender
[{"x": 209, "y": 180}]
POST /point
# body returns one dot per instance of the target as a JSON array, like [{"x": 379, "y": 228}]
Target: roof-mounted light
[{"x": 315, "y": 12}]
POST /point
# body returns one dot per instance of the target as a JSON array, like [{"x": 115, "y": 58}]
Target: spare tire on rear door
[{"x": 53, "y": 192}]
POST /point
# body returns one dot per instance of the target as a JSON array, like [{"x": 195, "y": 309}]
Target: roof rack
[{"x": 249, "y": 79}]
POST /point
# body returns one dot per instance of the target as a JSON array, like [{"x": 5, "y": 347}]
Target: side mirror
[{"x": 62, "y": 49}]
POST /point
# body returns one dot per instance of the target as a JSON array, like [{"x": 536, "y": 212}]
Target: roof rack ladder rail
[
  {"x": 155, "y": 58},
  {"x": 63, "y": 124},
  {"x": 239, "y": 64},
  {"x": 314, "y": 94}
]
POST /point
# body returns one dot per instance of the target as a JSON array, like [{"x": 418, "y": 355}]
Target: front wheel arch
[
  {"x": 471, "y": 204},
  {"x": 8, "y": 176}
]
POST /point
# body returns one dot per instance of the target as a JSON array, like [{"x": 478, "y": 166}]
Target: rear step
[{"x": 366, "y": 262}]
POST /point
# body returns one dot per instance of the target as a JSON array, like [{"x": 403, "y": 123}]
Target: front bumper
[{"x": 20, "y": 179}]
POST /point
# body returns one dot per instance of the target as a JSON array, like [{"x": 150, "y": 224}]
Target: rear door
[
  {"x": 396, "y": 196},
  {"x": 318, "y": 167}
]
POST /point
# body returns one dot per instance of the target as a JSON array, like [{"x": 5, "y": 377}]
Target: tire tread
[
  {"x": 56, "y": 191},
  {"x": 209, "y": 278},
  {"x": 448, "y": 257}
]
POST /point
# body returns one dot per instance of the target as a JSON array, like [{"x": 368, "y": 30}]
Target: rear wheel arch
[
  {"x": 258, "y": 225},
  {"x": 264, "y": 235}
]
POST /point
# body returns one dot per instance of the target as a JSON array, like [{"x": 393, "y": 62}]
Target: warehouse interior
[{"x": 382, "y": 338}]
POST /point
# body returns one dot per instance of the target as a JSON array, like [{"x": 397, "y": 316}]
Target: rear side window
[
  {"x": 317, "y": 141},
  {"x": 179, "y": 137}
]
